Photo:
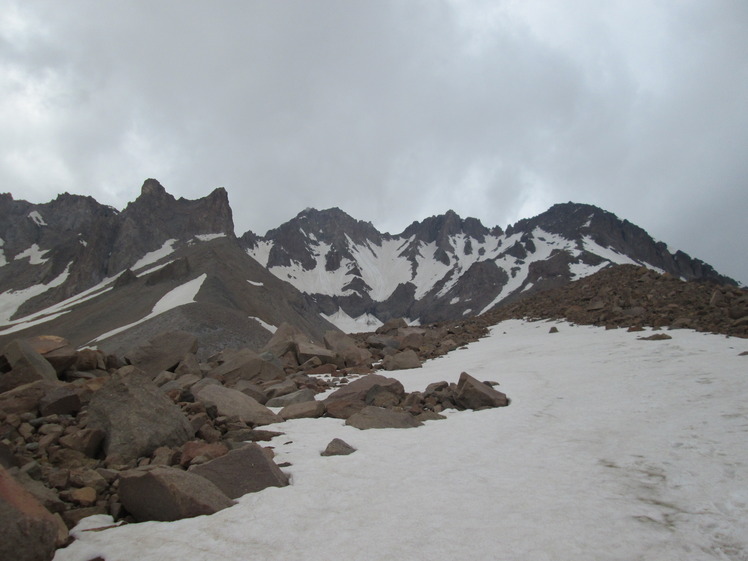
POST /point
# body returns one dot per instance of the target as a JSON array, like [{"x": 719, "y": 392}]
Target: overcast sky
[{"x": 392, "y": 111}]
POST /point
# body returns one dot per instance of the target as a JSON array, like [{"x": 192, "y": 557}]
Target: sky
[{"x": 392, "y": 111}]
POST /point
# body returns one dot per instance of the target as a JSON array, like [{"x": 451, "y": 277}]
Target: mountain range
[{"x": 98, "y": 276}]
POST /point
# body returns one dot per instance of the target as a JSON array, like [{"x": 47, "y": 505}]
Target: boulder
[
  {"x": 474, "y": 394},
  {"x": 135, "y": 416},
  {"x": 233, "y": 402},
  {"x": 30, "y": 532},
  {"x": 371, "y": 417},
  {"x": 299, "y": 396},
  {"x": 306, "y": 351},
  {"x": 56, "y": 350},
  {"x": 343, "y": 408},
  {"x": 245, "y": 470},
  {"x": 88, "y": 441},
  {"x": 402, "y": 360},
  {"x": 338, "y": 447},
  {"x": 60, "y": 400},
  {"x": 284, "y": 340},
  {"x": 306, "y": 410},
  {"x": 358, "y": 389},
  {"x": 167, "y": 494},
  {"x": 205, "y": 450},
  {"x": 26, "y": 398},
  {"x": 20, "y": 364},
  {"x": 163, "y": 352},
  {"x": 347, "y": 351},
  {"x": 391, "y": 326},
  {"x": 246, "y": 365}
]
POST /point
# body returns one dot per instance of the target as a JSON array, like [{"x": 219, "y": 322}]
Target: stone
[
  {"x": 136, "y": 417},
  {"x": 474, "y": 394},
  {"x": 371, "y": 417},
  {"x": 343, "y": 408},
  {"x": 83, "y": 496},
  {"x": 338, "y": 447},
  {"x": 90, "y": 360},
  {"x": 391, "y": 326},
  {"x": 195, "y": 449},
  {"x": 299, "y": 396},
  {"x": 246, "y": 365},
  {"x": 85, "y": 477},
  {"x": 358, "y": 389},
  {"x": 306, "y": 351},
  {"x": 284, "y": 340},
  {"x": 245, "y": 470},
  {"x": 305, "y": 410},
  {"x": 348, "y": 353},
  {"x": 60, "y": 400},
  {"x": 655, "y": 337},
  {"x": 26, "y": 398},
  {"x": 381, "y": 397},
  {"x": 233, "y": 402},
  {"x": 403, "y": 360},
  {"x": 167, "y": 494},
  {"x": 88, "y": 441},
  {"x": 29, "y": 531},
  {"x": 56, "y": 350},
  {"x": 163, "y": 352},
  {"x": 20, "y": 364}
]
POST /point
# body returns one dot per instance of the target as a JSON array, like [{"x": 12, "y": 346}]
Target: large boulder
[
  {"x": 29, "y": 531},
  {"x": 358, "y": 389},
  {"x": 298, "y": 396},
  {"x": 56, "y": 350},
  {"x": 167, "y": 494},
  {"x": 347, "y": 351},
  {"x": 230, "y": 402},
  {"x": 135, "y": 416},
  {"x": 28, "y": 397},
  {"x": 306, "y": 410},
  {"x": 246, "y": 365},
  {"x": 20, "y": 364},
  {"x": 403, "y": 360},
  {"x": 371, "y": 417},
  {"x": 163, "y": 352},
  {"x": 474, "y": 394},
  {"x": 245, "y": 470}
]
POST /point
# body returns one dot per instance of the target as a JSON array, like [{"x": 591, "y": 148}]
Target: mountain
[
  {"x": 84, "y": 271},
  {"x": 446, "y": 266},
  {"x": 98, "y": 276}
]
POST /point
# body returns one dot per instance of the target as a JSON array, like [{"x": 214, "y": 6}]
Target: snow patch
[
  {"x": 253, "y": 283},
  {"x": 34, "y": 254},
  {"x": 261, "y": 253},
  {"x": 11, "y": 300},
  {"x": 180, "y": 296},
  {"x": 270, "y": 327},
  {"x": 347, "y": 324},
  {"x": 153, "y": 256},
  {"x": 568, "y": 471},
  {"x": 37, "y": 218},
  {"x": 3, "y": 261},
  {"x": 454, "y": 300},
  {"x": 208, "y": 237}
]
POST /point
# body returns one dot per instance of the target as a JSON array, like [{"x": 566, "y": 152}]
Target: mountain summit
[{"x": 446, "y": 266}]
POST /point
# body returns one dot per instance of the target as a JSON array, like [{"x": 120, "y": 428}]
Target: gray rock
[
  {"x": 403, "y": 360},
  {"x": 245, "y": 470},
  {"x": 306, "y": 410},
  {"x": 163, "y": 352},
  {"x": 20, "y": 364},
  {"x": 474, "y": 394},
  {"x": 358, "y": 389},
  {"x": 299, "y": 396},
  {"x": 233, "y": 402},
  {"x": 166, "y": 494},
  {"x": 136, "y": 417},
  {"x": 338, "y": 447},
  {"x": 379, "y": 418},
  {"x": 246, "y": 365},
  {"x": 29, "y": 530}
]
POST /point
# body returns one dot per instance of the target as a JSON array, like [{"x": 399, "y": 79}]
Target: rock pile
[
  {"x": 632, "y": 296},
  {"x": 159, "y": 435}
]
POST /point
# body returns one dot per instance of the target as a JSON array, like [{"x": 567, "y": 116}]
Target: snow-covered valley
[{"x": 614, "y": 448}]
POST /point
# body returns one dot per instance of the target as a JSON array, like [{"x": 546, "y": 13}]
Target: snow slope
[{"x": 613, "y": 449}]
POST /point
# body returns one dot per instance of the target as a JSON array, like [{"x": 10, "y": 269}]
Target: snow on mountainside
[{"x": 446, "y": 266}]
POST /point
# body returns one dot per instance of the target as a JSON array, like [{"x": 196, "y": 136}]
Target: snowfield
[{"x": 613, "y": 448}]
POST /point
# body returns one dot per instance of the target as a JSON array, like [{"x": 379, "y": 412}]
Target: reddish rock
[{"x": 474, "y": 394}]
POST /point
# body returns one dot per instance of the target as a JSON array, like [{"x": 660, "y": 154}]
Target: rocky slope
[
  {"x": 446, "y": 266},
  {"x": 80, "y": 270}
]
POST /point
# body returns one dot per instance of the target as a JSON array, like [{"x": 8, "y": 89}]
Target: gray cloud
[{"x": 393, "y": 111}]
